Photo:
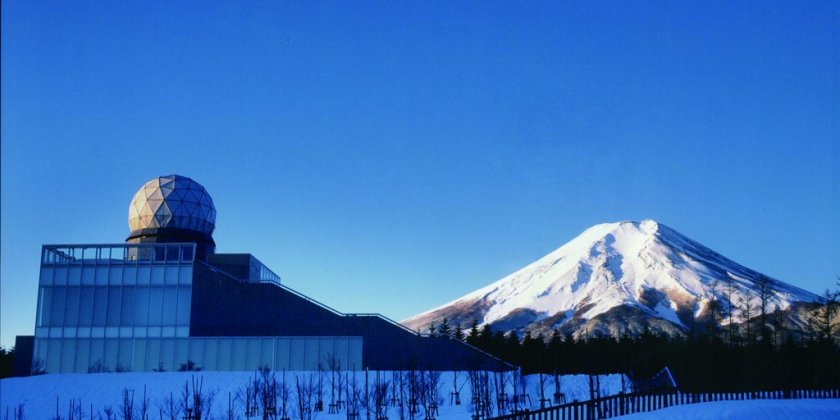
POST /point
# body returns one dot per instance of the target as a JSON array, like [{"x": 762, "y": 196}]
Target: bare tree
[
  {"x": 127, "y": 406},
  {"x": 169, "y": 408},
  {"x": 765, "y": 292},
  {"x": 747, "y": 309}
]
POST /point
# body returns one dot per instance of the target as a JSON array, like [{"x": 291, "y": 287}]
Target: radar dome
[{"x": 174, "y": 203}]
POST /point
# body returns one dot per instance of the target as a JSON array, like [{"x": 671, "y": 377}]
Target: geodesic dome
[{"x": 172, "y": 201}]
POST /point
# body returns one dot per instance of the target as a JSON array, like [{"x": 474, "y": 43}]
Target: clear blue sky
[{"x": 389, "y": 157}]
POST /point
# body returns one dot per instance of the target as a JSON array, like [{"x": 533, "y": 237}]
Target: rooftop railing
[{"x": 118, "y": 253}]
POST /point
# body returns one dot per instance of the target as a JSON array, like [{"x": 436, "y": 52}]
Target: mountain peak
[{"x": 653, "y": 272}]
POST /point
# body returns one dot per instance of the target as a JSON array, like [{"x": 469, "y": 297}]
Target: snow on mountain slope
[{"x": 641, "y": 271}]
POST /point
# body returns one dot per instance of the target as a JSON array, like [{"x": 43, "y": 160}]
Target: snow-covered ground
[
  {"x": 38, "y": 393},
  {"x": 753, "y": 409}
]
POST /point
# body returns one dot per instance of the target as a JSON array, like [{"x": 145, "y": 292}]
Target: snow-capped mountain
[{"x": 615, "y": 278}]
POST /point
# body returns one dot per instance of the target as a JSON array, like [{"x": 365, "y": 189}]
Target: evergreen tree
[{"x": 444, "y": 327}]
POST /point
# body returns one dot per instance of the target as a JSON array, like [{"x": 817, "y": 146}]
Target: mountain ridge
[{"x": 665, "y": 279}]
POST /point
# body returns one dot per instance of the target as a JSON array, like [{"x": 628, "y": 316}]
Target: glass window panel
[
  {"x": 340, "y": 347},
  {"x": 86, "y": 305},
  {"x": 112, "y": 274},
  {"x": 167, "y": 331},
  {"x": 42, "y": 332},
  {"x": 124, "y": 355},
  {"x": 267, "y": 352},
  {"x": 171, "y": 275},
  {"x": 112, "y": 332},
  {"x": 186, "y": 253},
  {"x": 153, "y": 361},
  {"x": 39, "y": 357},
  {"x": 126, "y": 332},
  {"x": 325, "y": 348},
  {"x": 181, "y": 353},
  {"x": 59, "y": 298},
  {"x": 172, "y": 253},
  {"x": 310, "y": 353},
  {"x": 225, "y": 354},
  {"x": 138, "y": 358},
  {"x": 238, "y": 356},
  {"x": 60, "y": 276},
  {"x": 71, "y": 308},
  {"x": 140, "y": 331},
  {"x": 183, "y": 314},
  {"x": 111, "y": 353},
  {"x": 97, "y": 354},
  {"x": 196, "y": 352},
  {"x": 83, "y": 332},
  {"x": 185, "y": 275},
  {"x": 143, "y": 272},
  {"x": 82, "y": 356},
  {"x": 127, "y": 310},
  {"x": 281, "y": 353},
  {"x": 88, "y": 275},
  {"x": 100, "y": 305},
  {"x": 55, "y": 332},
  {"x": 170, "y": 303},
  {"x": 167, "y": 353},
  {"x": 354, "y": 353},
  {"x": 123, "y": 274},
  {"x": 141, "y": 305},
  {"x": 156, "y": 306},
  {"x": 44, "y": 306},
  {"x": 74, "y": 275},
  {"x": 46, "y": 277},
  {"x": 114, "y": 303},
  {"x": 296, "y": 354},
  {"x": 97, "y": 332},
  {"x": 53, "y": 364},
  {"x": 211, "y": 353},
  {"x": 157, "y": 274},
  {"x": 68, "y": 355},
  {"x": 182, "y": 331},
  {"x": 68, "y": 332},
  {"x": 252, "y": 357}
]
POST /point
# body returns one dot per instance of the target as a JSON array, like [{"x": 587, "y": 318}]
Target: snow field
[{"x": 38, "y": 394}]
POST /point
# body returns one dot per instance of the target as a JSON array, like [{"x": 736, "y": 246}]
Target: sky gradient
[{"x": 390, "y": 157}]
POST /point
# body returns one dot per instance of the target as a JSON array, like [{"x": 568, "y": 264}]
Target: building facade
[{"x": 166, "y": 301}]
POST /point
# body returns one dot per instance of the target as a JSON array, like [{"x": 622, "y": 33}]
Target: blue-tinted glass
[
  {"x": 53, "y": 362},
  {"x": 60, "y": 276},
  {"x": 237, "y": 361},
  {"x": 127, "y": 309},
  {"x": 183, "y": 315},
  {"x": 100, "y": 305},
  {"x": 296, "y": 354},
  {"x": 143, "y": 274},
  {"x": 114, "y": 275},
  {"x": 252, "y": 358},
  {"x": 354, "y": 353},
  {"x": 86, "y": 306},
  {"x": 155, "y": 306},
  {"x": 158, "y": 274},
  {"x": 88, "y": 275},
  {"x": 170, "y": 303},
  {"x": 211, "y": 353},
  {"x": 172, "y": 253},
  {"x": 59, "y": 298},
  {"x": 74, "y": 276},
  {"x": 68, "y": 355},
  {"x": 39, "y": 355},
  {"x": 186, "y": 253},
  {"x": 196, "y": 351},
  {"x": 138, "y": 359},
  {"x": 267, "y": 352},
  {"x": 325, "y": 348},
  {"x": 111, "y": 353},
  {"x": 153, "y": 354},
  {"x": 114, "y": 304},
  {"x": 171, "y": 275},
  {"x": 225, "y": 353},
  {"x": 82, "y": 356},
  {"x": 71, "y": 309},
  {"x": 97, "y": 353},
  {"x": 160, "y": 253},
  {"x": 124, "y": 355},
  {"x": 46, "y": 277},
  {"x": 185, "y": 275},
  {"x": 167, "y": 353},
  {"x": 141, "y": 306},
  {"x": 281, "y": 353},
  {"x": 45, "y": 306}
]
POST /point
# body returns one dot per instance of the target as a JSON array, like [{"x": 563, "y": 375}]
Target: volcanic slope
[{"x": 617, "y": 278}]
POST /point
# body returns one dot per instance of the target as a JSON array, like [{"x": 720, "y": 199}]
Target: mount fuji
[{"x": 617, "y": 278}]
